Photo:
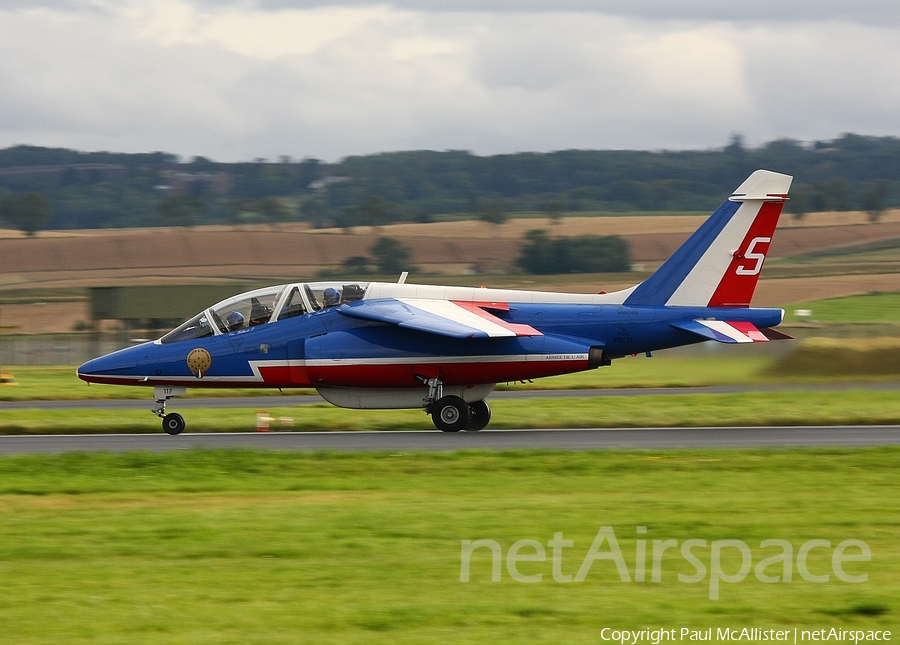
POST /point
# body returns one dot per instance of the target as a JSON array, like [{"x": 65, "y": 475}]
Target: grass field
[
  {"x": 268, "y": 548},
  {"x": 837, "y": 359},
  {"x": 870, "y": 308}
]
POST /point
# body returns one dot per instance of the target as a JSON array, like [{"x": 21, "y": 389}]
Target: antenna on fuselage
[{"x": 402, "y": 279}]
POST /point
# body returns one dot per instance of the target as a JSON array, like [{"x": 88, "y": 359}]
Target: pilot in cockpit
[
  {"x": 331, "y": 297},
  {"x": 234, "y": 320}
]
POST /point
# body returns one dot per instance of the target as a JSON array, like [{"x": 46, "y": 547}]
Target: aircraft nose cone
[
  {"x": 94, "y": 368},
  {"x": 89, "y": 368},
  {"x": 99, "y": 370}
]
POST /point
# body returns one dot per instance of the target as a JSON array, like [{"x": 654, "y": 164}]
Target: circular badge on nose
[{"x": 198, "y": 361}]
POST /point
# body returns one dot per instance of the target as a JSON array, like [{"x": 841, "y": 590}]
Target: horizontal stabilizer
[
  {"x": 730, "y": 332},
  {"x": 441, "y": 317}
]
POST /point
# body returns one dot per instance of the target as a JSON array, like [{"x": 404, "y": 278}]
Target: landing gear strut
[{"x": 173, "y": 423}]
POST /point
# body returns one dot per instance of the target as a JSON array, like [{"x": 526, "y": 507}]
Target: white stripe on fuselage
[{"x": 428, "y": 360}]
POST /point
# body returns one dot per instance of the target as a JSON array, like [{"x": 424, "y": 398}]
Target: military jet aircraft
[{"x": 443, "y": 349}]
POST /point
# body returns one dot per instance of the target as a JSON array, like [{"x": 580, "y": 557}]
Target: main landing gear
[
  {"x": 172, "y": 423},
  {"x": 452, "y": 413},
  {"x": 479, "y": 415}
]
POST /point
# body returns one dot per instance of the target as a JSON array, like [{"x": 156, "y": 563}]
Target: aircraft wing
[
  {"x": 454, "y": 319},
  {"x": 730, "y": 332}
]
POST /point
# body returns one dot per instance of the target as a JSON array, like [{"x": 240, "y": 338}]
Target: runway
[{"x": 400, "y": 441}]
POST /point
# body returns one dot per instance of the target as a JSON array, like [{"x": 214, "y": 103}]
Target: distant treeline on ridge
[{"x": 103, "y": 189}]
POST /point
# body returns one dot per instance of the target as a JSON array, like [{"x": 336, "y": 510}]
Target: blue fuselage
[{"x": 330, "y": 349}]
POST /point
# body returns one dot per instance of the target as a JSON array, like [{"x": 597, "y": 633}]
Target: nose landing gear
[{"x": 173, "y": 423}]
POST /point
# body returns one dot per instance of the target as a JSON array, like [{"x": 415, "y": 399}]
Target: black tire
[
  {"x": 173, "y": 423},
  {"x": 479, "y": 416},
  {"x": 450, "y": 414}
]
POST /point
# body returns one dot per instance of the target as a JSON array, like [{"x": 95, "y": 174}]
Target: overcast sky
[{"x": 237, "y": 80}]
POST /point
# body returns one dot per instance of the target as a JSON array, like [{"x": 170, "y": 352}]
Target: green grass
[
  {"x": 871, "y": 308},
  {"x": 851, "y": 407},
  {"x": 268, "y": 548},
  {"x": 832, "y": 358}
]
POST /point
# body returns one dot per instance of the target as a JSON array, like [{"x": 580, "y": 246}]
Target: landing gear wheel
[
  {"x": 450, "y": 414},
  {"x": 479, "y": 416},
  {"x": 173, "y": 423}
]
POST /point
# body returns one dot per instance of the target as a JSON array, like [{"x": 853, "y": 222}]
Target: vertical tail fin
[{"x": 719, "y": 265}]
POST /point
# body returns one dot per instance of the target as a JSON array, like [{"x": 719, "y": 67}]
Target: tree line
[
  {"x": 104, "y": 189},
  {"x": 540, "y": 254}
]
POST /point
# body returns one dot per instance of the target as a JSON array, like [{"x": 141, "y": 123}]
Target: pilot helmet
[
  {"x": 235, "y": 320},
  {"x": 331, "y": 296}
]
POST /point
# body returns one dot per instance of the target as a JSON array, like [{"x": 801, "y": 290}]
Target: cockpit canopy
[{"x": 265, "y": 306}]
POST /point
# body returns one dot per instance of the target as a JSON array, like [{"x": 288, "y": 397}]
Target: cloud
[
  {"x": 238, "y": 80},
  {"x": 833, "y": 76},
  {"x": 872, "y": 12}
]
